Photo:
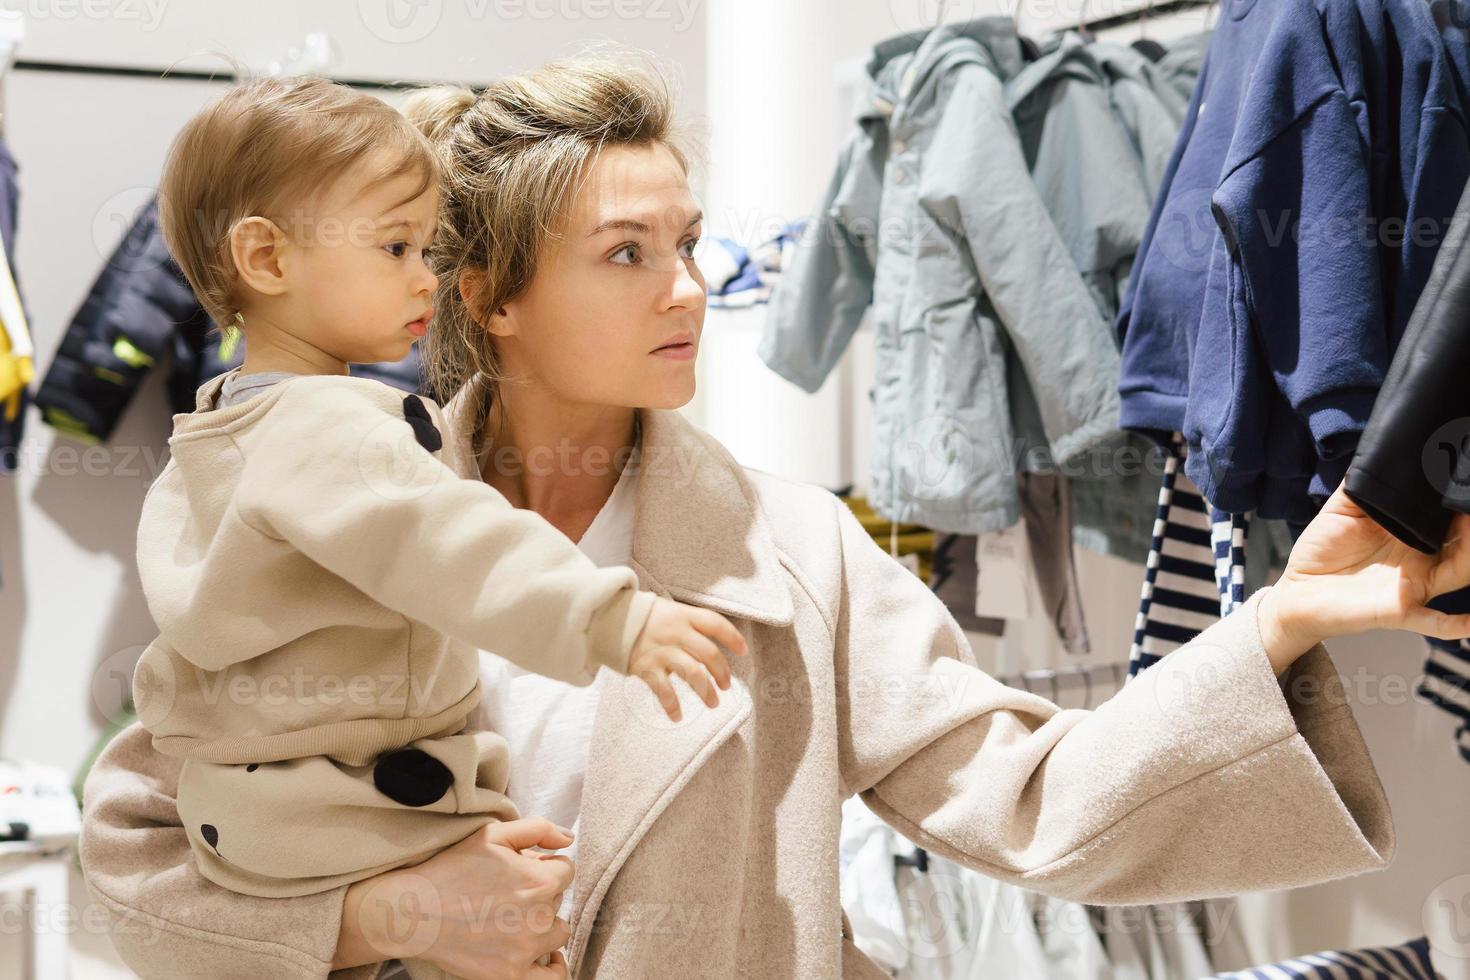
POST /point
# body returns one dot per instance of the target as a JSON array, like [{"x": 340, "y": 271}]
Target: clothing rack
[
  {"x": 1146, "y": 12},
  {"x": 186, "y": 75},
  {"x": 1053, "y": 677}
]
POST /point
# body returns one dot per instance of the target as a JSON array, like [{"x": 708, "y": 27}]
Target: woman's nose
[{"x": 688, "y": 287}]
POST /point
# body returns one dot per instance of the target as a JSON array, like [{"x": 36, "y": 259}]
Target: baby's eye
[
  {"x": 396, "y": 249},
  {"x": 629, "y": 248}
]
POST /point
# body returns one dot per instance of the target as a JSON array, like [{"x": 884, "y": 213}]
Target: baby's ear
[{"x": 424, "y": 430}]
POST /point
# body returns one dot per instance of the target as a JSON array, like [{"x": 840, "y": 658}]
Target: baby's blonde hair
[
  {"x": 512, "y": 156},
  {"x": 265, "y": 146}
]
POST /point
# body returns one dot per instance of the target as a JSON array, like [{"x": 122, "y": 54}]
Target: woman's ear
[
  {"x": 257, "y": 247},
  {"x": 499, "y": 321}
]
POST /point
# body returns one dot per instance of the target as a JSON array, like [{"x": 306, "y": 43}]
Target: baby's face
[{"x": 361, "y": 279}]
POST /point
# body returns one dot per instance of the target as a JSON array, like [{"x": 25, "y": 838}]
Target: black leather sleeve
[{"x": 1404, "y": 473}]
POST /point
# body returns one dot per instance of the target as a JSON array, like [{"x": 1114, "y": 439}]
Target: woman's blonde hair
[
  {"x": 264, "y": 146},
  {"x": 512, "y": 157}
]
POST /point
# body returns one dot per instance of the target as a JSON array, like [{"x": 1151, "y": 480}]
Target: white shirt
[{"x": 547, "y": 723}]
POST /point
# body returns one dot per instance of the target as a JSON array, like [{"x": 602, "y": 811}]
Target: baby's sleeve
[{"x": 356, "y": 480}]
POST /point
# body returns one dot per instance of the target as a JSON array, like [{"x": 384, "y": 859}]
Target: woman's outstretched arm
[{"x": 1206, "y": 775}]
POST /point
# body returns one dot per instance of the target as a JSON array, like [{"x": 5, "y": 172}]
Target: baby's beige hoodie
[{"x": 321, "y": 572}]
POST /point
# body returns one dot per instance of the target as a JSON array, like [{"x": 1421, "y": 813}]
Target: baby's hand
[{"x": 680, "y": 639}]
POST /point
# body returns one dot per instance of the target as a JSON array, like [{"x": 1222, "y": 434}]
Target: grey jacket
[
  {"x": 992, "y": 355},
  {"x": 1149, "y": 107},
  {"x": 1097, "y": 138}
]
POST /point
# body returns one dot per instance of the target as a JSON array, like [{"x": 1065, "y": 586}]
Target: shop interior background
[{"x": 769, "y": 85}]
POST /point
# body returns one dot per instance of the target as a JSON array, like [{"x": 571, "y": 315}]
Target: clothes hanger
[
  {"x": 1082, "y": 30},
  {"x": 1029, "y": 49},
  {"x": 1145, "y": 45}
]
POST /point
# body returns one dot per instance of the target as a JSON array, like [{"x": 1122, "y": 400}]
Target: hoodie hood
[
  {"x": 907, "y": 69},
  {"x": 1063, "y": 55}
]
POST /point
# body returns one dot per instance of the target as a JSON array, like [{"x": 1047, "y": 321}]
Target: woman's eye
[
  {"x": 630, "y": 250},
  {"x": 397, "y": 249},
  {"x": 690, "y": 245}
]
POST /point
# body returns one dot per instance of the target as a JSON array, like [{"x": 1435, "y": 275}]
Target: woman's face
[{"x": 614, "y": 313}]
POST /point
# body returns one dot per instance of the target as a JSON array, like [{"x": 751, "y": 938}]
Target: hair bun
[{"x": 435, "y": 110}]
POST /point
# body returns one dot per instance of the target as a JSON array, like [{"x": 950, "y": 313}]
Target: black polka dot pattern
[
  {"x": 417, "y": 416},
  {"x": 252, "y": 767},
  {"x": 210, "y": 835},
  {"x": 412, "y": 777}
]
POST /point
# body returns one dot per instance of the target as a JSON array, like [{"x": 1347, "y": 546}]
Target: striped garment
[
  {"x": 1195, "y": 572},
  {"x": 1407, "y": 962},
  {"x": 1446, "y": 684}
]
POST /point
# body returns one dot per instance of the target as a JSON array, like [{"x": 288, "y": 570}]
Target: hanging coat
[{"x": 992, "y": 356}]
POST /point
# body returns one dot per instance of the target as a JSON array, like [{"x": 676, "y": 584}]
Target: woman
[{"x": 708, "y": 847}]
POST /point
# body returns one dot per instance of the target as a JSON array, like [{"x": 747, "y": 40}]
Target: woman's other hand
[{"x": 484, "y": 909}]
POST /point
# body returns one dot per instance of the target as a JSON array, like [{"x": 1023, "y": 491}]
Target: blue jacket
[{"x": 1275, "y": 279}]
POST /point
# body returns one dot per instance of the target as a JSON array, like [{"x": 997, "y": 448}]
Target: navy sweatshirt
[{"x": 1278, "y": 270}]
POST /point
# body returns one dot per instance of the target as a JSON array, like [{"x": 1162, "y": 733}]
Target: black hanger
[
  {"x": 1149, "y": 48},
  {"x": 1146, "y": 46}
]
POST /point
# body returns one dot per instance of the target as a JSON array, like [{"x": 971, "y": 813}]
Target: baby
[{"x": 319, "y": 567}]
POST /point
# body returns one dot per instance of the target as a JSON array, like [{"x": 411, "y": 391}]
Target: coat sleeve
[
  {"x": 821, "y": 299},
  {"x": 166, "y": 920},
  {"x": 373, "y": 505},
  {"x": 1205, "y": 776},
  {"x": 976, "y": 184}
]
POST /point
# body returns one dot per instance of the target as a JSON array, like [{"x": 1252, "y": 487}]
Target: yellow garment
[
  {"x": 911, "y": 539},
  {"x": 17, "y": 366},
  {"x": 16, "y": 371}
]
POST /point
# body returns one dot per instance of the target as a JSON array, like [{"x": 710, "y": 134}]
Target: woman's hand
[
  {"x": 482, "y": 909},
  {"x": 1346, "y": 574}
]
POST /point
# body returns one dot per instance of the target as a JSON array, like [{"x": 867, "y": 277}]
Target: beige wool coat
[{"x": 709, "y": 848}]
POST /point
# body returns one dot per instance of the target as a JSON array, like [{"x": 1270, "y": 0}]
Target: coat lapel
[{"x": 700, "y": 537}]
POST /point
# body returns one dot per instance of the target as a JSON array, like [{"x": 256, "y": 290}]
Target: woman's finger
[
  {"x": 555, "y": 970},
  {"x": 1441, "y": 626},
  {"x": 1451, "y": 569},
  {"x": 557, "y": 936},
  {"x": 562, "y": 870},
  {"x": 527, "y": 832}
]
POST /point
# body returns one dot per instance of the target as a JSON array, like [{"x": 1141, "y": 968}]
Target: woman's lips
[
  {"x": 418, "y": 327},
  {"x": 677, "y": 352}
]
